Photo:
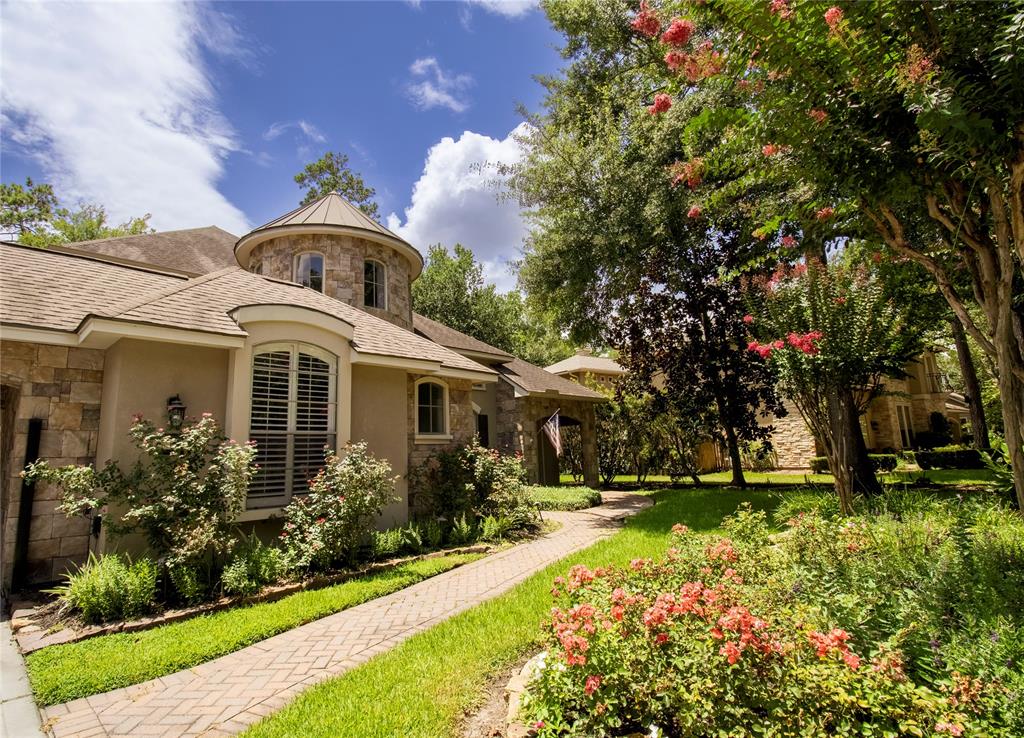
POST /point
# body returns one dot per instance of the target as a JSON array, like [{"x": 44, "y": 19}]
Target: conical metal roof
[{"x": 332, "y": 213}]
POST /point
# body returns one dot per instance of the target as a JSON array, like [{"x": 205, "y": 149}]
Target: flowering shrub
[
  {"x": 183, "y": 495},
  {"x": 474, "y": 481},
  {"x": 327, "y": 526},
  {"x": 737, "y": 636}
]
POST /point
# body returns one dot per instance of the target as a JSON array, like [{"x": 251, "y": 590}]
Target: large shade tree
[{"x": 900, "y": 111}]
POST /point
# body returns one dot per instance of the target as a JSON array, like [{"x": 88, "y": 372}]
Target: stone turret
[{"x": 332, "y": 246}]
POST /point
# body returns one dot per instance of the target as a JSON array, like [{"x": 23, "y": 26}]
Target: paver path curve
[{"x": 224, "y": 696}]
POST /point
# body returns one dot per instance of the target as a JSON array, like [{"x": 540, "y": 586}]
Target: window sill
[
  {"x": 438, "y": 438},
  {"x": 259, "y": 513}
]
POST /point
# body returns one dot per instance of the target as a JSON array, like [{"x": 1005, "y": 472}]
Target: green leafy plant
[
  {"x": 110, "y": 587},
  {"x": 188, "y": 583},
  {"x": 387, "y": 543},
  {"x": 183, "y": 494},
  {"x": 327, "y": 526},
  {"x": 433, "y": 534},
  {"x": 495, "y": 528},
  {"x": 462, "y": 531},
  {"x": 253, "y": 565},
  {"x": 412, "y": 538}
]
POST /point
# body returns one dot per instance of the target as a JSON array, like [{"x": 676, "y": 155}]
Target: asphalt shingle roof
[
  {"x": 453, "y": 339},
  {"x": 46, "y": 289},
  {"x": 193, "y": 251}
]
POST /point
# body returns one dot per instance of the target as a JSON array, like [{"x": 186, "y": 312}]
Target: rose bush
[
  {"x": 328, "y": 526},
  {"x": 796, "y": 634}
]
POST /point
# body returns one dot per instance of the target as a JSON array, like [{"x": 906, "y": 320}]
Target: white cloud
[
  {"x": 434, "y": 87},
  {"x": 507, "y": 8},
  {"x": 303, "y": 128},
  {"x": 115, "y": 101},
  {"x": 456, "y": 200}
]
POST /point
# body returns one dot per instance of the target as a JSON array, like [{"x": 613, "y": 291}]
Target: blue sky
[{"x": 202, "y": 114}]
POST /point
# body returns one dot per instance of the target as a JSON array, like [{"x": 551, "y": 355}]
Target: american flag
[{"x": 551, "y": 429}]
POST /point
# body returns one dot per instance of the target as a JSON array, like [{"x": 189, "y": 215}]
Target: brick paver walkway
[{"x": 224, "y": 696}]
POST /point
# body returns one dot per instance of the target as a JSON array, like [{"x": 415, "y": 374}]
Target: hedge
[
  {"x": 966, "y": 458},
  {"x": 879, "y": 463}
]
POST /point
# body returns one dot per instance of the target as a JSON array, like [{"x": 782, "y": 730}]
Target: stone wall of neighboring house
[
  {"x": 461, "y": 424},
  {"x": 792, "y": 440},
  {"x": 519, "y": 420},
  {"x": 343, "y": 269},
  {"x": 62, "y": 386}
]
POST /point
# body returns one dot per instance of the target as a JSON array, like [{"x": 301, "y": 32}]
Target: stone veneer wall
[
  {"x": 461, "y": 423},
  {"x": 792, "y": 440},
  {"x": 518, "y": 425},
  {"x": 63, "y": 387},
  {"x": 343, "y": 269}
]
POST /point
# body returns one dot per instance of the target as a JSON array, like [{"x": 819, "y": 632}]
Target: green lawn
[
  {"x": 939, "y": 476},
  {"x": 422, "y": 687},
  {"x": 69, "y": 671},
  {"x": 564, "y": 498}
]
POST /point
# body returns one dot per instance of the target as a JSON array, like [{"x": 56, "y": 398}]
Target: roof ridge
[
  {"x": 96, "y": 258},
  {"x": 143, "y": 235},
  {"x": 129, "y": 305}
]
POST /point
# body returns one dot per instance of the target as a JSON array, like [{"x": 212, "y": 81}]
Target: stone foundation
[{"x": 62, "y": 386}]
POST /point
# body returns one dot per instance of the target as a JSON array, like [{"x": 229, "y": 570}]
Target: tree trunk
[
  {"x": 972, "y": 388},
  {"x": 738, "y": 480},
  {"x": 864, "y": 480},
  {"x": 843, "y": 459}
]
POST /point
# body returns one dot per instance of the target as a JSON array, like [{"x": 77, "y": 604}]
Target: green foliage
[
  {"x": 462, "y": 531},
  {"x": 838, "y": 627},
  {"x": 495, "y": 528},
  {"x": 966, "y": 458},
  {"x": 452, "y": 291},
  {"x": 473, "y": 481},
  {"x": 433, "y": 534},
  {"x": 387, "y": 543},
  {"x": 327, "y": 526},
  {"x": 87, "y": 223},
  {"x": 997, "y": 461},
  {"x": 70, "y": 671},
  {"x": 183, "y": 494},
  {"x": 331, "y": 173},
  {"x": 564, "y": 498},
  {"x": 110, "y": 587},
  {"x": 412, "y": 538},
  {"x": 26, "y": 209},
  {"x": 879, "y": 463},
  {"x": 253, "y": 565},
  {"x": 188, "y": 583}
]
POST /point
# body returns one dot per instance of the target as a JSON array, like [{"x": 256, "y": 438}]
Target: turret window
[
  {"x": 309, "y": 271},
  {"x": 375, "y": 284}
]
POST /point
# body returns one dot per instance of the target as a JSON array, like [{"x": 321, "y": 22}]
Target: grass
[
  {"x": 421, "y": 688},
  {"x": 955, "y": 477},
  {"x": 564, "y": 498},
  {"x": 68, "y": 671}
]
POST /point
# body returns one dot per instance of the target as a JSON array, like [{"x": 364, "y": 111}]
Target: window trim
[
  {"x": 384, "y": 269},
  {"x": 421, "y": 437},
  {"x": 323, "y": 266},
  {"x": 295, "y": 349}
]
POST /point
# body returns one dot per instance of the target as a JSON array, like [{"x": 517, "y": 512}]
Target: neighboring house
[
  {"x": 296, "y": 335},
  {"x": 892, "y": 420}
]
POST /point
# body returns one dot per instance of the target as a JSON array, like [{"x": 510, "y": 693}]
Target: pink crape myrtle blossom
[
  {"x": 646, "y": 21},
  {"x": 662, "y": 103},
  {"x": 679, "y": 32}
]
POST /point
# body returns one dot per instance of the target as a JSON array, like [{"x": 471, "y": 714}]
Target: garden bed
[{"x": 40, "y": 627}]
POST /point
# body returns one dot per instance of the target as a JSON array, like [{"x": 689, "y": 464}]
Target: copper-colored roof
[
  {"x": 192, "y": 251},
  {"x": 331, "y": 213},
  {"x": 453, "y": 339},
  {"x": 46, "y": 289}
]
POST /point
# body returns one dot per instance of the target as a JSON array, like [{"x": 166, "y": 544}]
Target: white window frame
[
  {"x": 420, "y": 436},
  {"x": 295, "y": 348},
  {"x": 384, "y": 286},
  {"x": 323, "y": 267}
]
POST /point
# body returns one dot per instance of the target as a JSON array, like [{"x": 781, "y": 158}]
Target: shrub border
[{"x": 34, "y": 641}]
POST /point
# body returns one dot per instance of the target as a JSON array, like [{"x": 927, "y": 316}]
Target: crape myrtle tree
[
  {"x": 828, "y": 327},
  {"x": 899, "y": 109}
]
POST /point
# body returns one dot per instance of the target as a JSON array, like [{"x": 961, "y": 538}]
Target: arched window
[
  {"x": 309, "y": 270},
  {"x": 431, "y": 408},
  {"x": 375, "y": 284},
  {"x": 294, "y": 406}
]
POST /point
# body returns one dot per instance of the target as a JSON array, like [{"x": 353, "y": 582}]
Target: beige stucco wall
[
  {"x": 343, "y": 269},
  {"x": 61, "y": 386},
  {"x": 379, "y": 417}
]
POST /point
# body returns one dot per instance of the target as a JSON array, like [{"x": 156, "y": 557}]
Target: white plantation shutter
[{"x": 293, "y": 410}]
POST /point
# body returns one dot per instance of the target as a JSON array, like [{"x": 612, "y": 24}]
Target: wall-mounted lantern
[{"x": 175, "y": 412}]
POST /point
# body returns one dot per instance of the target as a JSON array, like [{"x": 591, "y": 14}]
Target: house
[
  {"x": 296, "y": 335},
  {"x": 892, "y": 422}
]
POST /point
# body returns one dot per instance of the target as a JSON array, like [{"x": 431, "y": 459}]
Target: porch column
[{"x": 588, "y": 439}]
